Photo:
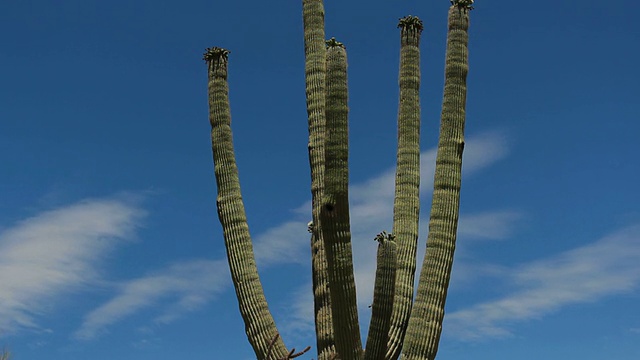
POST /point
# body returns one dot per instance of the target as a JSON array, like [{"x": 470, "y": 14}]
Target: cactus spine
[{"x": 425, "y": 325}]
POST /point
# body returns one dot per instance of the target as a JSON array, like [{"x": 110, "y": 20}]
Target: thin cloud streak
[
  {"x": 606, "y": 267},
  {"x": 493, "y": 225},
  {"x": 55, "y": 252},
  {"x": 374, "y": 210},
  {"x": 288, "y": 242},
  {"x": 371, "y": 204},
  {"x": 181, "y": 288}
]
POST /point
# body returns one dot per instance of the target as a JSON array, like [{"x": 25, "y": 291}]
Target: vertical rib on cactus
[
  {"x": 259, "y": 323},
  {"x": 406, "y": 207},
  {"x": 334, "y": 214},
  {"x": 425, "y": 324},
  {"x": 383, "y": 295},
  {"x": 315, "y": 73}
]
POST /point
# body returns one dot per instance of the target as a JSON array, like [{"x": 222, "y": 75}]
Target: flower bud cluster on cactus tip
[
  {"x": 410, "y": 22},
  {"x": 463, "y": 4},
  {"x": 334, "y": 43},
  {"x": 215, "y": 53},
  {"x": 384, "y": 236}
]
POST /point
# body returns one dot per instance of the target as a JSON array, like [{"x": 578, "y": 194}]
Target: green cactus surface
[
  {"x": 259, "y": 323},
  {"x": 334, "y": 214},
  {"x": 400, "y": 326},
  {"x": 383, "y": 297},
  {"x": 425, "y": 325},
  {"x": 406, "y": 206},
  {"x": 315, "y": 74}
]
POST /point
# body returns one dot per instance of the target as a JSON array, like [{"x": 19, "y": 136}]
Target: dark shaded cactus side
[
  {"x": 259, "y": 323},
  {"x": 425, "y": 324},
  {"x": 406, "y": 206}
]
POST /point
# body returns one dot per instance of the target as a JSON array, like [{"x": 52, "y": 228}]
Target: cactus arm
[
  {"x": 259, "y": 324},
  {"x": 406, "y": 207},
  {"x": 425, "y": 324},
  {"x": 383, "y": 297},
  {"x": 334, "y": 214},
  {"x": 315, "y": 73}
]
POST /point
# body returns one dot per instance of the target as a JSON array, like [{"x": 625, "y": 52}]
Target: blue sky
[{"x": 110, "y": 247}]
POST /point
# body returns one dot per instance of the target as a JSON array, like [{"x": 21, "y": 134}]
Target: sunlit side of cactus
[
  {"x": 259, "y": 323},
  {"x": 398, "y": 324},
  {"x": 406, "y": 205},
  {"x": 425, "y": 325}
]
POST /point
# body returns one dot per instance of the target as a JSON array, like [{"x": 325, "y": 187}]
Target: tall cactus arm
[
  {"x": 259, "y": 323},
  {"x": 334, "y": 214},
  {"x": 383, "y": 294},
  {"x": 406, "y": 207},
  {"x": 425, "y": 324},
  {"x": 315, "y": 73}
]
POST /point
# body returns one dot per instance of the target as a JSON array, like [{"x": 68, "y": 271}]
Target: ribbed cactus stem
[
  {"x": 406, "y": 207},
  {"x": 259, "y": 323},
  {"x": 425, "y": 324},
  {"x": 383, "y": 295},
  {"x": 315, "y": 74},
  {"x": 334, "y": 214}
]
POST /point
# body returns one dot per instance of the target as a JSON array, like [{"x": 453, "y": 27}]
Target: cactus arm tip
[
  {"x": 215, "y": 53},
  {"x": 411, "y": 22},
  {"x": 331, "y": 43},
  {"x": 463, "y": 4}
]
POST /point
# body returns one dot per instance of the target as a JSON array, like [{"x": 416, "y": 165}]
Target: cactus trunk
[
  {"x": 406, "y": 207},
  {"x": 399, "y": 326},
  {"x": 315, "y": 74},
  {"x": 334, "y": 213},
  {"x": 259, "y": 323},
  {"x": 425, "y": 324},
  {"x": 383, "y": 298}
]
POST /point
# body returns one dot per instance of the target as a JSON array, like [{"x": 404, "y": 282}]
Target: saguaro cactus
[
  {"x": 383, "y": 297},
  {"x": 425, "y": 325},
  {"x": 406, "y": 206},
  {"x": 259, "y": 323},
  {"x": 315, "y": 73},
  {"x": 394, "y": 313},
  {"x": 334, "y": 210}
]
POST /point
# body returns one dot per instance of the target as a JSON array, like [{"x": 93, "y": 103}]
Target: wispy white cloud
[
  {"x": 172, "y": 292},
  {"x": 52, "y": 253},
  {"x": 297, "y": 314},
  {"x": 588, "y": 273},
  {"x": 371, "y": 204},
  {"x": 287, "y": 242},
  {"x": 481, "y": 151},
  {"x": 492, "y": 225}
]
